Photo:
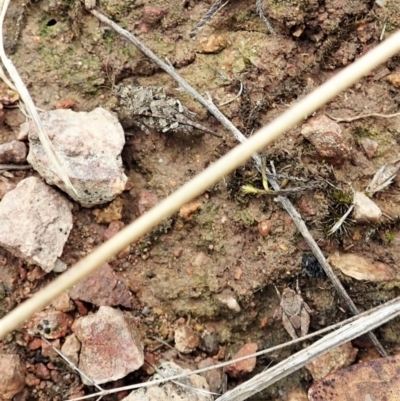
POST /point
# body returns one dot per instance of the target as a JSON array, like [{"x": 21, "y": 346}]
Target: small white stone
[
  {"x": 227, "y": 299},
  {"x": 60, "y": 266},
  {"x": 365, "y": 210}
]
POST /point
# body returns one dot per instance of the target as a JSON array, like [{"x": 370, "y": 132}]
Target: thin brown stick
[
  {"x": 360, "y": 116},
  {"x": 210, "y": 106}
]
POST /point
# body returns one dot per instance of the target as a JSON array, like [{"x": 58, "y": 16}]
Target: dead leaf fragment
[
  {"x": 377, "y": 379},
  {"x": 358, "y": 267},
  {"x": 383, "y": 177}
]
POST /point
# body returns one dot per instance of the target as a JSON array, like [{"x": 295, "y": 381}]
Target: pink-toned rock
[
  {"x": 31, "y": 380},
  {"x": 186, "y": 340},
  {"x": 113, "y": 228},
  {"x": 152, "y": 15},
  {"x": 81, "y": 308},
  {"x": 243, "y": 367},
  {"x": 264, "y": 227},
  {"x": 35, "y": 344},
  {"x": 35, "y": 221},
  {"x": 375, "y": 379},
  {"x": 146, "y": 201},
  {"x": 71, "y": 348},
  {"x": 13, "y": 152},
  {"x": 48, "y": 349},
  {"x": 12, "y": 377},
  {"x": 51, "y": 324},
  {"x": 111, "y": 346},
  {"x": 369, "y": 146},
  {"x": 330, "y": 362},
  {"x": 63, "y": 303},
  {"x": 89, "y": 146},
  {"x": 307, "y": 206},
  {"x": 42, "y": 372},
  {"x": 326, "y": 136},
  {"x": 102, "y": 288},
  {"x": 214, "y": 377}
]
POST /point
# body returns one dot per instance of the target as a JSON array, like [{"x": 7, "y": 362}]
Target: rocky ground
[{"x": 201, "y": 286}]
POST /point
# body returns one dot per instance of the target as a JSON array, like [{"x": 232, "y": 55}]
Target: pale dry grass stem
[{"x": 20, "y": 87}]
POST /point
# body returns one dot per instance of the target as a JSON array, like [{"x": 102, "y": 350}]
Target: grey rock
[
  {"x": 35, "y": 222},
  {"x": 102, "y": 288},
  {"x": 214, "y": 377},
  {"x": 210, "y": 344},
  {"x": 111, "y": 346},
  {"x": 327, "y": 138},
  {"x": 89, "y": 146},
  {"x": 172, "y": 391},
  {"x": 13, "y": 152}
]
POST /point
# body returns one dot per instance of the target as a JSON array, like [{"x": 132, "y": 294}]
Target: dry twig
[
  {"x": 359, "y": 117},
  {"x": 261, "y": 13},
  {"x": 70, "y": 363},
  {"x": 214, "y": 9}
]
